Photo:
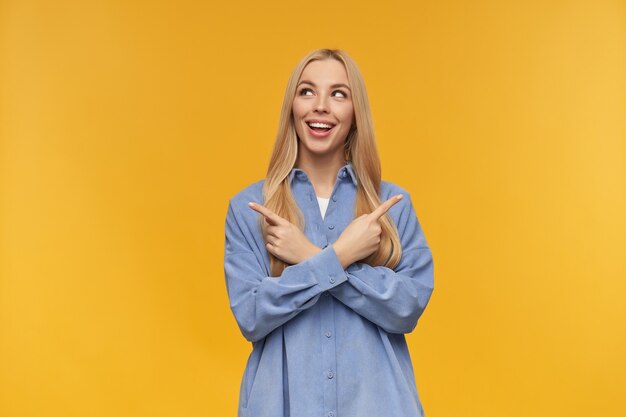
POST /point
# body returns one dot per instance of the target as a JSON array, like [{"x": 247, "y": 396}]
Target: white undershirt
[{"x": 323, "y": 202}]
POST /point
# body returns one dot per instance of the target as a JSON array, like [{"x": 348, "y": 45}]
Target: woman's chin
[{"x": 315, "y": 147}]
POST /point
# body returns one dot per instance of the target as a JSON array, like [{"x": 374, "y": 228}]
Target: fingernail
[
  {"x": 251, "y": 204},
  {"x": 399, "y": 197}
]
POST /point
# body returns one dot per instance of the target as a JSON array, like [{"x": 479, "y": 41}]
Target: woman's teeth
[{"x": 320, "y": 126}]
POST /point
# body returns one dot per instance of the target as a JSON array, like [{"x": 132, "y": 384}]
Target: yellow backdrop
[{"x": 126, "y": 126}]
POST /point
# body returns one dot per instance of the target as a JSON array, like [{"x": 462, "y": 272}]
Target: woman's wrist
[
  {"x": 342, "y": 254},
  {"x": 313, "y": 250}
]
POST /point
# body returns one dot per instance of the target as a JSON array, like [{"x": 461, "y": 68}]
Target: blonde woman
[{"x": 326, "y": 265}]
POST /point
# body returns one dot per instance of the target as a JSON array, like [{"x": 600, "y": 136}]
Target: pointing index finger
[
  {"x": 273, "y": 218},
  {"x": 384, "y": 207}
]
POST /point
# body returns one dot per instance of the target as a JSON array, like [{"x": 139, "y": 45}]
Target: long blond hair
[{"x": 360, "y": 150}]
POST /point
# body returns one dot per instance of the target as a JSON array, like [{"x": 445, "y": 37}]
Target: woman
[{"x": 322, "y": 277}]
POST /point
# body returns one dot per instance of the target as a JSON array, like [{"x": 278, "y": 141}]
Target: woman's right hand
[{"x": 362, "y": 237}]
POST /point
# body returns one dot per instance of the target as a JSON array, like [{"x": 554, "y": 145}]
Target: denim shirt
[{"x": 326, "y": 342}]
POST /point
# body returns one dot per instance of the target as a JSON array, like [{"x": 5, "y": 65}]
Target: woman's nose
[{"x": 321, "y": 104}]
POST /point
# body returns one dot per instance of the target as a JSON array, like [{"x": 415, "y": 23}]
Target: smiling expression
[{"x": 322, "y": 108}]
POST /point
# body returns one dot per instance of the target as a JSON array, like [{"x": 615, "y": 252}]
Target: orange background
[{"x": 126, "y": 126}]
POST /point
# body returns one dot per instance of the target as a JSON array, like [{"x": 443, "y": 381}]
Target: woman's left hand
[{"x": 284, "y": 239}]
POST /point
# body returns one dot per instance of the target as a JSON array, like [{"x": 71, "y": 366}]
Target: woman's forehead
[{"x": 327, "y": 70}]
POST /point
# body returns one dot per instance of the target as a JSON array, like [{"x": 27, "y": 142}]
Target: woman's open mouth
[{"x": 320, "y": 130}]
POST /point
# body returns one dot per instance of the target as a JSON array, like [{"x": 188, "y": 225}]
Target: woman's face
[{"x": 323, "y": 96}]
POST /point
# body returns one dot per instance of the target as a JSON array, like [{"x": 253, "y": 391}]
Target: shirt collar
[{"x": 346, "y": 170}]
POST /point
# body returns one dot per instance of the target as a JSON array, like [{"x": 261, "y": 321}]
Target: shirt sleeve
[
  {"x": 394, "y": 299},
  {"x": 261, "y": 303}
]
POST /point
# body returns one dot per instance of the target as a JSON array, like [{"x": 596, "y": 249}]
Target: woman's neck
[{"x": 322, "y": 174}]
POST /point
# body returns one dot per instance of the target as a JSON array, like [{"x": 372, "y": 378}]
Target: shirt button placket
[
  {"x": 324, "y": 233},
  {"x": 328, "y": 363}
]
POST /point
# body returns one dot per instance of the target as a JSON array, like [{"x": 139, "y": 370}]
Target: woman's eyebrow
[{"x": 332, "y": 86}]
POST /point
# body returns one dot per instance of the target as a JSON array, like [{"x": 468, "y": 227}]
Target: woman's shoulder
[
  {"x": 252, "y": 192},
  {"x": 399, "y": 211},
  {"x": 389, "y": 189}
]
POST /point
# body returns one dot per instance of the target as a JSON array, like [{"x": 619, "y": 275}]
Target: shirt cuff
[{"x": 328, "y": 270}]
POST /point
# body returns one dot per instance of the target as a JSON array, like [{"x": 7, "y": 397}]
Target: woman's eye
[{"x": 305, "y": 90}]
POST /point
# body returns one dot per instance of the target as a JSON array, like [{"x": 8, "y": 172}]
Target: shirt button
[
  {"x": 334, "y": 198},
  {"x": 331, "y": 227},
  {"x": 330, "y": 374},
  {"x": 328, "y": 334},
  {"x": 326, "y": 294},
  {"x": 331, "y": 414},
  {"x": 332, "y": 280}
]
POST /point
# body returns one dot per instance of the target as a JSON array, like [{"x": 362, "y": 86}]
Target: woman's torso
[{"x": 327, "y": 360}]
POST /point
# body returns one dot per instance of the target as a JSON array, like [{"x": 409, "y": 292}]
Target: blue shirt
[{"x": 326, "y": 342}]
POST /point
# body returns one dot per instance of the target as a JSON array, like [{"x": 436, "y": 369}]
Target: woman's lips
[{"x": 320, "y": 134}]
